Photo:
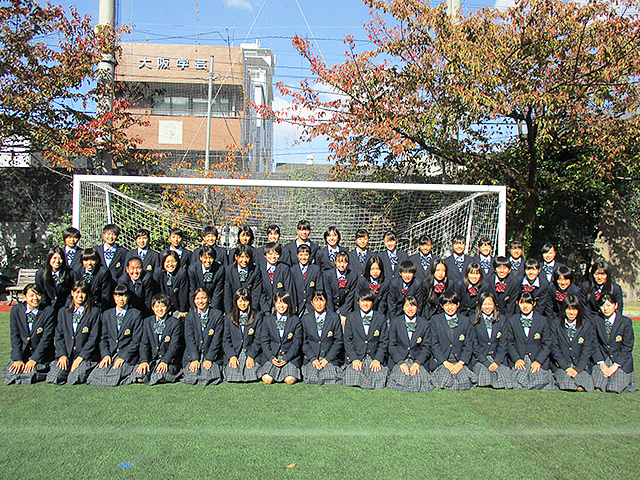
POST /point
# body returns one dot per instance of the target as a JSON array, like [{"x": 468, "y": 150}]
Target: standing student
[
  {"x": 240, "y": 341},
  {"x": 96, "y": 277},
  {"x": 281, "y": 339},
  {"x": 246, "y": 237},
  {"x": 275, "y": 276},
  {"x": 121, "y": 332},
  {"x": 161, "y": 345},
  {"x": 529, "y": 344},
  {"x": 374, "y": 279},
  {"x": 150, "y": 258},
  {"x": 210, "y": 237},
  {"x": 550, "y": 265},
  {"x": 600, "y": 282},
  {"x": 391, "y": 256},
  {"x": 409, "y": 350},
  {"x": 54, "y": 279},
  {"x": 485, "y": 259},
  {"x": 290, "y": 250},
  {"x": 489, "y": 361},
  {"x": 571, "y": 351},
  {"x": 273, "y": 233},
  {"x": 326, "y": 256},
  {"x": 424, "y": 258},
  {"x": 340, "y": 286},
  {"x": 306, "y": 279},
  {"x": 405, "y": 285},
  {"x": 203, "y": 329},
  {"x": 516, "y": 258},
  {"x": 436, "y": 284},
  {"x": 452, "y": 341},
  {"x": 31, "y": 327},
  {"x": 535, "y": 282},
  {"x": 207, "y": 273},
  {"x": 140, "y": 285},
  {"x": 174, "y": 281},
  {"x": 457, "y": 262},
  {"x": 613, "y": 349},
  {"x": 242, "y": 273},
  {"x": 470, "y": 289},
  {"x": 360, "y": 254},
  {"x": 76, "y": 339},
  {"x": 321, "y": 343},
  {"x": 504, "y": 286},
  {"x": 111, "y": 254},
  {"x": 72, "y": 253},
  {"x": 175, "y": 239},
  {"x": 562, "y": 287}
]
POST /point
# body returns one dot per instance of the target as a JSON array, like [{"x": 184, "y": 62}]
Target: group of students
[{"x": 106, "y": 316}]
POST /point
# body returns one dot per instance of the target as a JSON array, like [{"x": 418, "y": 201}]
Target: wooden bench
[{"x": 25, "y": 277}]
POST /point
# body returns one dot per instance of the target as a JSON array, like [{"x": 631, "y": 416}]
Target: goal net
[{"x": 410, "y": 210}]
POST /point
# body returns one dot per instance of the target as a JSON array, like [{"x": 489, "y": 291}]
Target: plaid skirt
[
  {"x": 279, "y": 373},
  {"x": 420, "y": 382},
  {"x": 465, "y": 379},
  {"x": 365, "y": 378},
  {"x": 541, "y": 380},
  {"x": 241, "y": 374},
  {"x": 202, "y": 376},
  {"x": 112, "y": 377},
  {"x": 565, "y": 382},
  {"x": 57, "y": 376},
  {"x": 38, "y": 374},
  {"x": 172, "y": 375},
  {"x": 619, "y": 382},
  {"x": 329, "y": 375},
  {"x": 501, "y": 378}
]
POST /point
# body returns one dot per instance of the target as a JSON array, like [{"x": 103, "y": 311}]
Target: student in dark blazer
[
  {"x": 322, "y": 344},
  {"x": 141, "y": 286},
  {"x": 246, "y": 237},
  {"x": 600, "y": 282},
  {"x": 242, "y": 273},
  {"x": 409, "y": 350},
  {"x": 504, "y": 286},
  {"x": 281, "y": 339},
  {"x": 240, "y": 341},
  {"x": 210, "y": 237},
  {"x": 340, "y": 286},
  {"x": 374, "y": 278},
  {"x": 203, "y": 329},
  {"x": 112, "y": 255},
  {"x": 73, "y": 254},
  {"x": 176, "y": 237},
  {"x": 325, "y": 257},
  {"x": 613, "y": 349},
  {"x": 96, "y": 277},
  {"x": 31, "y": 330},
  {"x": 535, "y": 282},
  {"x": 516, "y": 259},
  {"x": 55, "y": 281},
  {"x": 360, "y": 254},
  {"x": 435, "y": 285},
  {"x": 573, "y": 346},
  {"x": 121, "y": 333},
  {"x": 485, "y": 257},
  {"x": 549, "y": 265},
  {"x": 391, "y": 256},
  {"x": 207, "y": 273},
  {"x": 306, "y": 279},
  {"x": 405, "y": 284},
  {"x": 562, "y": 286},
  {"x": 452, "y": 341},
  {"x": 366, "y": 341},
  {"x": 529, "y": 345},
  {"x": 469, "y": 290},
  {"x": 424, "y": 257},
  {"x": 275, "y": 277},
  {"x": 76, "y": 339},
  {"x": 290, "y": 250},
  {"x": 174, "y": 281},
  {"x": 162, "y": 344},
  {"x": 150, "y": 258},
  {"x": 489, "y": 360},
  {"x": 457, "y": 262}
]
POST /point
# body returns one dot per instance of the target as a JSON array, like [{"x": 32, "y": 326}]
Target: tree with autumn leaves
[{"x": 540, "y": 97}]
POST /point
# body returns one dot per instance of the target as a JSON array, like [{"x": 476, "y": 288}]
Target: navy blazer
[
  {"x": 421, "y": 273},
  {"x": 84, "y": 341},
  {"x": 203, "y": 341},
  {"x": 537, "y": 344},
  {"x": 556, "y": 265},
  {"x": 99, "y": 284},
  {"x": 167, "y": 347},
  {"x": 576, "y": 352},
  {"x": 357, "y": 344},
  {"x": 384, "y": 256},
  {"x": 55, "y": 294},
  {"x": 444, "y": 344},
  {"x": 323, "y": 260},
  {"x": 76, "y": 261},
  {"x": 140, "y": 295},
  {"x": 453, "y": 273},
  {"x": 178, "y": 290},
  {"x": 340, "y": 300},
  {"x": 286, "y": 347},
  {"x": 186, "y": 258},
  {"x": 496, "y": 346},
  {"x": 401, "y": 348},
  {"x": 117, "y": 265},
  {"x": 215, "y": 287},
  {"x": 37, "y": 344},
  {"x": 396, "y": 297},
  {"x": 489, "y": 272},
  {"x": 541, "y": 294},
  {"x": 591, "y": 304},
  {"x": 380, "y": 304},
  {"x": 506, "y": 301},
  {"x": 468, "y": 302},
  {"x": 354, "y": 261},
  {"x": 236, "y": 340},
  {"x": 326, "y": 345},
  {"x": 555, "y": 293},
  {"x": 281, "y": 283},
  {"x": 305, "y": 287},
  {"x": 518, "y": 272},
  {"x": 222, "y": 256},
  {"x": 150, "y": 262},
  {"x": 290, "y": 253},
  {"x": 232, "y": 284},
  {"x": 617, "y": 346},
  {"x": 124, "y": 342}
]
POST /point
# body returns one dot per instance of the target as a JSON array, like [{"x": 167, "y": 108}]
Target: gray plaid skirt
[
  {"x": 420, "y": 382},
  {"x": 279, "y": 373},
  {"x": 541, "y": 380},
  {"x": 329, "y": 375},
  {"x": 172, "y": 375},
  {"x": 465, "y": 379},
  {"x": 365, "y": 378},
  {"x": 565, "y": 382},
  {"x": 110, "y": 377},
  {"x": 619, "y": 382},
  {"x": 203, "y": 377},
  {"x": 501, "y": 378},
  {"x": 241, "y": 374},
  {"x": 38, "y": 374},
  {"x": 57, "y": 376}
]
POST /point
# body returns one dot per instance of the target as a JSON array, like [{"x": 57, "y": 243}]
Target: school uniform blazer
[
  {"x": 541, "y": 295},
  {"x": 553, "y": 296},
  {"x": 490, "y": 272},
  {"x": 304, "y": 287},
  {"x": 375, "y": 343},
  {"x": 281, "y": 283},
  {"x": 290, "y": 253},
  {"x": 232, "y": 282},
  {"x": 99, "y": 284},
  {"x": 396, "y": 297},
  {"x": 506, "y": 301},
  {"x": 380, "y": 304},
  {"x": 468, "y": 302},
  {"x": 84, "y": 341},
  {"x": 150, "y": 262},
  {"x": 537, "y": 345},
  {"x": 452, "y": 269},
  {"x": 354, "y": 261},
  {"x": 556, "y": 265},
  {"x": 324, "y": 261},
  {"x": 590, "y": 302},
  {"x": 618, "y": 345},
  {"x": 286, "y": 347},
  {"x": 444, "y": 344},
  {"x": 215, "y": 287},
  {"x": 179, "y": 289},
  {"x": 186, "y": 258},
  {"x": 77, "y": 258},
  {"x": 496, "y": 346},
  {"x": 401, "y": 348},
  {"x": 140, "y": 295},
  {"x": 126, "y": 342},
  {"x": 340, "y": 300},
  {"x": 54, "y": 294},
  {"x": 421, "y": 273},
  {"x": 518, "y": 272},
  {"x": 169, "y": 347},
  {"x": 235, "y": 340},
  {"x": 37, "y": 344},
  {"x": 384, "y": 256},
  {"x": 577, "y": 352},
  {"x": 328, "y": 344},
  {"x": 199, "y": 341},
  {"x": 222, "y": 256},
  {"x": 117, "y": 265}
]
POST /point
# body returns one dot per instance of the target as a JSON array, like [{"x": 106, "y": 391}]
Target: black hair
[
  {"x": 531, "y": 263},
  {"x": 366, "y": 295},
  {"x": 481, "y": 299},
  {"x": 161, "y": 298},
  {"x": 143, "y": 232},
  {"x": 501, "y": 261},
  {"x": 303, "y": 247},
  {"x": 273, "y": 228},
  {"x": 516, "y": 244},
  {"x": 91, "y": 254},
  {"x": 459, "y": 239},
  {"x": 176, "y": 231},
  {"x": 246, "y": 229},
  {"x": 272, "y": 247},
  {"x": 122, "y": 290},
  {"x": 608, "y": 283},
  {"x": 134, "y": 259},
  {"x": 86, "y": 288},
  {"x": 571, "y": 301},
  {"x": 286, "y": 298},
  {"x": 361, "y": 232},
  {"x": 207, "y": 250},
  {"x": 547, "y": 247},
  {"x": 424, "y": 239},
  {"x": 527, "y": 298},
  {"x": 473, "y": 267},
  {"x": 64, "y": 274},
  {"x": 32, "y": 286},
  {"x": 210, "y": 230},
  {"x": 390, "y": 235},
  {"x": 319, "y": 294},
  {"x": 304, "y": 224},
  {"x": 449, "y": 296},
  {"x": 367, "y": 268},
  {"x": 332, "y": 229},
  {"x": 407, "y": 266},
  {"x": 563, "y": 271},
  {"x": 71, "y": 232},
  {"x": 245, "y": 294},
  {"x": 112, "y": 227},
  {"x": 169, "y": 253},
  {"x": 431, "y": 294},
  {"x": 246, "y": 249}
]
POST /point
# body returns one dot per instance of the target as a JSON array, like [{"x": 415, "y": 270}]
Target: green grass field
[{"x": 255, "y": 431}]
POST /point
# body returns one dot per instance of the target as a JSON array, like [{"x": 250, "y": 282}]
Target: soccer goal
[{"x": 411, "y": 210}]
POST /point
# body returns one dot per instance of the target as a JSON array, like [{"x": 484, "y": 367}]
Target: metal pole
[
  {"x": 206, "y": 153},
  {"x": 106, "y": 74}
]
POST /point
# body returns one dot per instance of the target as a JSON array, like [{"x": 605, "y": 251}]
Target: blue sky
[{"x": 272, "y": 22}]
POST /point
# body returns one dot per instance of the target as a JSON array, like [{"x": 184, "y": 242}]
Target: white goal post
[{"x": 411, "y": 210}]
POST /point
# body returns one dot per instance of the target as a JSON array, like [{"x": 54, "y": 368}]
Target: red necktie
[{"x": 342, "y": 282}]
